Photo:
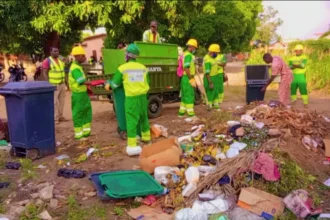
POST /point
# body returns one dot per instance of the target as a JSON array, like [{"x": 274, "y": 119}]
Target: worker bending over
[
  {"x": 221, "y": 61},
  {"x": 211, "y": 79},
  {"x": 151, "y": 35},
  {"x": 298, "y": 65},
  {"x": 80, "y": 101},
  {"x": 135, "y": 79},
  {"x": 188, "y": 82},
  {"x": 279, "y": 67}
]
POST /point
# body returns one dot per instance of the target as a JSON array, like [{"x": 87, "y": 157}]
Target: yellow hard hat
[
  {"x": 299, "y": 47},
  {"x": 214, "y": 48},
  {"x": 78, "y": 50},
  {"x": 192, "y": 42}
]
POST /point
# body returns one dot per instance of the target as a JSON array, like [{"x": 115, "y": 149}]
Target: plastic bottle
[
  {"x": 192, "y": 175},
  {"x": 189, "y": 189}
]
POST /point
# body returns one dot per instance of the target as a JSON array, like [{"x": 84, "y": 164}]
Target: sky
[{"x": 302, "y": 19}]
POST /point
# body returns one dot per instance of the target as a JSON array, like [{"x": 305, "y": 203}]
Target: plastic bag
[
  {"x": 238, "y": 145},
  {"x": 192, "y": 175},
  {"x": 246, "y": 119},
  {"x": 211, "y": 207},
  {"x": 242, "y": 214},
  {"x": 232, "y": 153},
  {"x": 190, "y": 214}
]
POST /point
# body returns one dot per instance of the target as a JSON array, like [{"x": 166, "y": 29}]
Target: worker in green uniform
[
  {"x": 298, "y": 65},
  {"x": 188, "y": 82},
  {"x": 135, "y": 79},
  {"x": 80, "y": 101},
  {"x": 210, "y": 77},
  {"x": 221, "y": 77}
]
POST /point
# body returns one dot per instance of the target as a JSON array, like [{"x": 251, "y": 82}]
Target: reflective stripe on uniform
[
  {"x": 131, "y": 142},
  {"x": 146, "y": 136}
]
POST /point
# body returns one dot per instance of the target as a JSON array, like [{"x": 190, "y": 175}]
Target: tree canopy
[
  {"x": 33, "y": 26},
  {"x": 268, "y": 23}
]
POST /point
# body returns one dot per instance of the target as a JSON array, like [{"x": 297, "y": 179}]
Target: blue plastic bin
[{"x": 30, "y": 113}]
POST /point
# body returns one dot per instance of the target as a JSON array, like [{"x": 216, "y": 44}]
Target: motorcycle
[
  {"x": 2, "y": 75},
  {"x": 17, "y": 73},
  {"x": 37, "y": 73}
]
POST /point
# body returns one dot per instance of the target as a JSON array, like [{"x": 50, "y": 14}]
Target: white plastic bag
[
  {"x": 238, "y": 145},
  {"x": 246, "y": 119},
  {"x": 192, "y": 175},
  {"x": 190, "y": 214},
  {"x": 233, "y": 123},
  {"x": 211, "y": 207},
  {"x": 162, "y": 171},
  {"x": 231, "y": 152},
  {"x": 189, "y": 189}
]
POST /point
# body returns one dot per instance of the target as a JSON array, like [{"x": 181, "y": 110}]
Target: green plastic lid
[{"x": 126, "y": 184}]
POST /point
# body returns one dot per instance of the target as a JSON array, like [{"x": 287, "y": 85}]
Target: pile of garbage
[{"x": 204, "y": 170}]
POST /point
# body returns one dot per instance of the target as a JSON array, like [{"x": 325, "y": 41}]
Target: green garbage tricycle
[{"x": 162, "y": 62}]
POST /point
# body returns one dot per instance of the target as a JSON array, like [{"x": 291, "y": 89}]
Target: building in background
[{"x": 93, "y": 46}]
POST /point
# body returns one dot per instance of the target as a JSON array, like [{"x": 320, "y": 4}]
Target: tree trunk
[{"x": 53, "y": 40}]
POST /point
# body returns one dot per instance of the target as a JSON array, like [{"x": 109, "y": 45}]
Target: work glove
[
  {"x": 107, "y": 86},
  {"x": 193, "y": 82}
]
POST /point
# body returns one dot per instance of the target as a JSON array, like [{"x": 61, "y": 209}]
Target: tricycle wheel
[
  {"x": 123, "y": 135},
  {"x": 32, "y": 154},
  {"x": 198, "y": 97},
  {"x": 155, "y": 106}
]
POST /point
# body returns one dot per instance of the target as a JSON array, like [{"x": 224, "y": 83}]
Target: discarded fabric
[
  {"x": 13, "y": 165},
  {"x": 266, "y": 166}
]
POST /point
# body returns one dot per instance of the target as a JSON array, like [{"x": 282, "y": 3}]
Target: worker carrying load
[
  {"x": 221, "y": 77},
  {"x": 188, "y": 82},
  {"x": 298, "y": 65},
  {"x": 80, "y": 101},
  {"x": 211, "y": 77},
  {"x": 135, "y": 79},
  {"x": 151, "y": 35}
]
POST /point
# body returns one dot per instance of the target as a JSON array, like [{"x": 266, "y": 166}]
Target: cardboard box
[
  {"x": 146, "y": 213},
  {"x": 327, "y": 147},
  {"x": 162, "y": 153},
  {"x": 261, "y": 203}
]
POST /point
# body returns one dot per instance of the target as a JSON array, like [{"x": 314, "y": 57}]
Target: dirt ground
[{"x": 112, "y": 157}]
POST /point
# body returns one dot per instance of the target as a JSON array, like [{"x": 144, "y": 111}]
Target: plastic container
[
  {"x": 190, "y": 214},
  {"x": 130, "y": 184},
  {"x": 254, "y": 93},
  {"x": 192, "y": 175},
  {"x": 30, "y": 113},
  {"x": 162, "y": 171}
]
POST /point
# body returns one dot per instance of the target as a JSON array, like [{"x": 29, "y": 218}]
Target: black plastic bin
[
  {"x": 253, "y": 93},
  {"x": 256, "y": 77}
]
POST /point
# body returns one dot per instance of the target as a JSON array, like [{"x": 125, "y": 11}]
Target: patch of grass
[
  {"x": 2, "y": 208},
  {"x": 118, "y": 211},
  {"x": 99, "y": 212},
  {"x": 28, "y": 170},
  {"x": 31, "y": 213},
  {"x": 2, "y": 158},
  {"x": 288, "y": 215},
  {"x": 75, "y": 212}
]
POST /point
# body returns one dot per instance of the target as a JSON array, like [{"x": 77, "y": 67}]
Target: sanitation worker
[
  {"x": 221, "y": 77},
  {"x": 53, "y": 70},
  {"x": 298, "y": 65},
  {"x": 135, "y": 79},
  {"x": 151, "y": 35},
  {"x": 188, "y": 82},
  {"x": 279, "y": 67},
  {"x": 80, "y": 101},
  {"x": 210, "y": 77}
]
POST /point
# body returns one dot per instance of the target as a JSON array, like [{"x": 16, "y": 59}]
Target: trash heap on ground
[{"x": 231, "y": 169}]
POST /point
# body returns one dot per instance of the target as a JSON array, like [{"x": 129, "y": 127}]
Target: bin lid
[{"x": 28, "y": 87}]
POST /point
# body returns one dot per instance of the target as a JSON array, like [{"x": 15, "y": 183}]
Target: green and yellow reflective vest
[
  {"x": 220, "y": 59},
  {"x": 298, "y": 60},
  {"x": 210, "y": 65},
  {"x": 56, "y": 72},
  {"x": 74, "y": 83},
  {"x": 189, "y": 62},
  {"x": 133, "y": 76}
]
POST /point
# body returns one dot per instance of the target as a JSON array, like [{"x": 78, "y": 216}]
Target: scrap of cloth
[{"x": 266, "y": 166}]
